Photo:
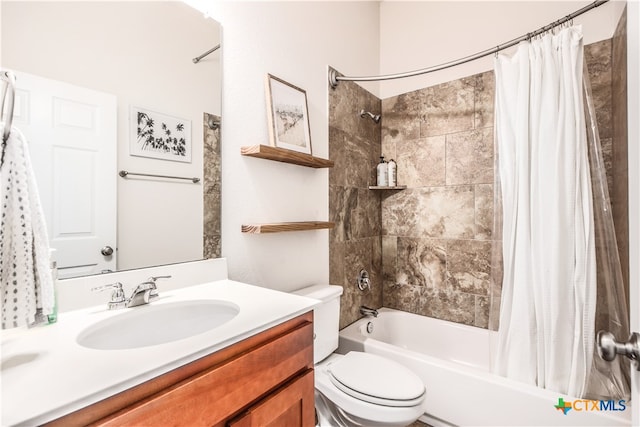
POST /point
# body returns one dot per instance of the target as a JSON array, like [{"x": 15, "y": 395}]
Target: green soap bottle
[{"x": 53, "y": 317}]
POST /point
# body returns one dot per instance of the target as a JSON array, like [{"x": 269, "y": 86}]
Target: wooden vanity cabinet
[
  {"x": 285, "y": 407},
  {"x": 265, "y": 380}
]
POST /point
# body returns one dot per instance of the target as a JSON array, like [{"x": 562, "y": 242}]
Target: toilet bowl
[
  {"x": 357, "y": 389},
  {"x": 363, "y": 389}
]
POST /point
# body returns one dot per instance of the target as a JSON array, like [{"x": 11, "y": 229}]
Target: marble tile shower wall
[
  {"x": 620, "y": 177},
  {"x": 429, "y": 246},
  {"x": 436, "y": 234},
  {"x": 354, "y": 242},
  {"x": 211, "y": 189}
]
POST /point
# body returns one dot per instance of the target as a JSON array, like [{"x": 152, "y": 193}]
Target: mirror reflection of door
[
  {"x": 72, "y": 142},
  {"x": 142, "y": 52}
]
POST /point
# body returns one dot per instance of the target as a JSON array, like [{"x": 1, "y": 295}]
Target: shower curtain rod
[
  {"x": 334, "y": 78},
  {"x": 198, "y": 58}
]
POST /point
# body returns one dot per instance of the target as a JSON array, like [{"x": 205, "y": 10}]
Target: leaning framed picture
[
  {"x": 159, "y": 135},
  {"x": 288, "y": 115}
]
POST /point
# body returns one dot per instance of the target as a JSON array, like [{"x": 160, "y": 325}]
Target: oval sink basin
[{"x": 157, "y": 324}]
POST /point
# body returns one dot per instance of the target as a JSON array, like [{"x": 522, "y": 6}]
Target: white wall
[
  {"x": 141, "y": 52},
  {"x": 295, "y": 41},
  {"x": 420, "y": 34}
]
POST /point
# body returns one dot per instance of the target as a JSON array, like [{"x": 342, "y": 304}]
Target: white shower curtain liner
[{"x": 546, "y": 334}]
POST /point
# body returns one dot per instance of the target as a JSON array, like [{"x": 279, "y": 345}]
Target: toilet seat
[
  {"x": 357, "y": 410},
  {"x": 376, "y": 380}
]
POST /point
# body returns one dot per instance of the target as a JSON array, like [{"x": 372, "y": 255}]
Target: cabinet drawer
[
  {"x": 217, "y": 393},
  {"x": 291, "y": 405}
]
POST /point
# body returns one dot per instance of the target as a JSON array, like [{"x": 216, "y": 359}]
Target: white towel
[{"x": 26, "y": 284}]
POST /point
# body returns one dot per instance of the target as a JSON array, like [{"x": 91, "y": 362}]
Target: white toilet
[{"x": 357, "y": 389}]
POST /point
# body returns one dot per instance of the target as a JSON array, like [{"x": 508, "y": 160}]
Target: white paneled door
[{"x": 71, "y": 133}]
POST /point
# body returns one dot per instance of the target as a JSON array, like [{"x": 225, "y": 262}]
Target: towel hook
[{"x": 10, "y": 79}]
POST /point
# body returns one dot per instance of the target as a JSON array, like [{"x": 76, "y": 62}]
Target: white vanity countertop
[{"x": 47, "y": 374}]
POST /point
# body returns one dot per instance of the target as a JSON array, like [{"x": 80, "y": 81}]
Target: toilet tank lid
[{"x": 321, "y": 292}]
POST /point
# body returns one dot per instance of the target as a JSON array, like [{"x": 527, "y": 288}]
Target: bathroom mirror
[{"x": 93, "y": 78}]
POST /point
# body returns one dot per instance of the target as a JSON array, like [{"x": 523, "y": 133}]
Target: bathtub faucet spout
[{"x": 368, "y": 311}]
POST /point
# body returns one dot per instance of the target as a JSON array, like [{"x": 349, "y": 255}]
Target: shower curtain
[
  {"x": 556, "y": 275},
  {"x": 547, "y": 313}
]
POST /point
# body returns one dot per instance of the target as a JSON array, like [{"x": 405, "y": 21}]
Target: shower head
[
  {"x": 374, "y": 117},
  {"x": 213, "y": 124}
]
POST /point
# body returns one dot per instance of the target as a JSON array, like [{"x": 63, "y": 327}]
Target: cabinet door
[{"x": 290, "y": 406}]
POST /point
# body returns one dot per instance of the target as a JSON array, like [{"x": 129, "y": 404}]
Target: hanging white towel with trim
[{"x": 26, "y": 284}]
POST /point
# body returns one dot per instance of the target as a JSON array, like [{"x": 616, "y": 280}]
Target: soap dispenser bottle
[
  {"x": 53, "y": 317},
  {"x": 382, "y": 173},
  {"x": 393, "y": 173}
]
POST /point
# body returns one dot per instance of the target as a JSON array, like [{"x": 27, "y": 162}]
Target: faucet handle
[
  {"x": 154, "y": 278},
  {"x": 363, "y": 281},
  {"x": 117, "y": 287},
  {"x": 150, "y": 283},
  {"x": 117, "y": 296}
]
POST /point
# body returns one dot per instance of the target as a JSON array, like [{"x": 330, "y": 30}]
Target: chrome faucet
[
  {"x": 144, "y": 293},
  {"x": 118, "y": 299},
  {"x": 368, "y": 311}
]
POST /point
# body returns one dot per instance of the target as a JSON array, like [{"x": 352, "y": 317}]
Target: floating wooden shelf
[
  {"x": 378, "y": 187},
  {"x": 283, "y": 155},
  {"x": 286, "y": 226}
]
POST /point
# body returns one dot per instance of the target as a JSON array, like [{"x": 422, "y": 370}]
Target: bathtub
[{"x": 453, "y": 361}]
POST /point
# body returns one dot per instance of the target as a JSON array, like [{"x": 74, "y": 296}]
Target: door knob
[
  {"x": 106, "y": 251},
  {"x": 609, "y": 348}
]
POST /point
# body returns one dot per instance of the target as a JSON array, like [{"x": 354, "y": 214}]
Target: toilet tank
[{"x": 326, "y": 318}]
